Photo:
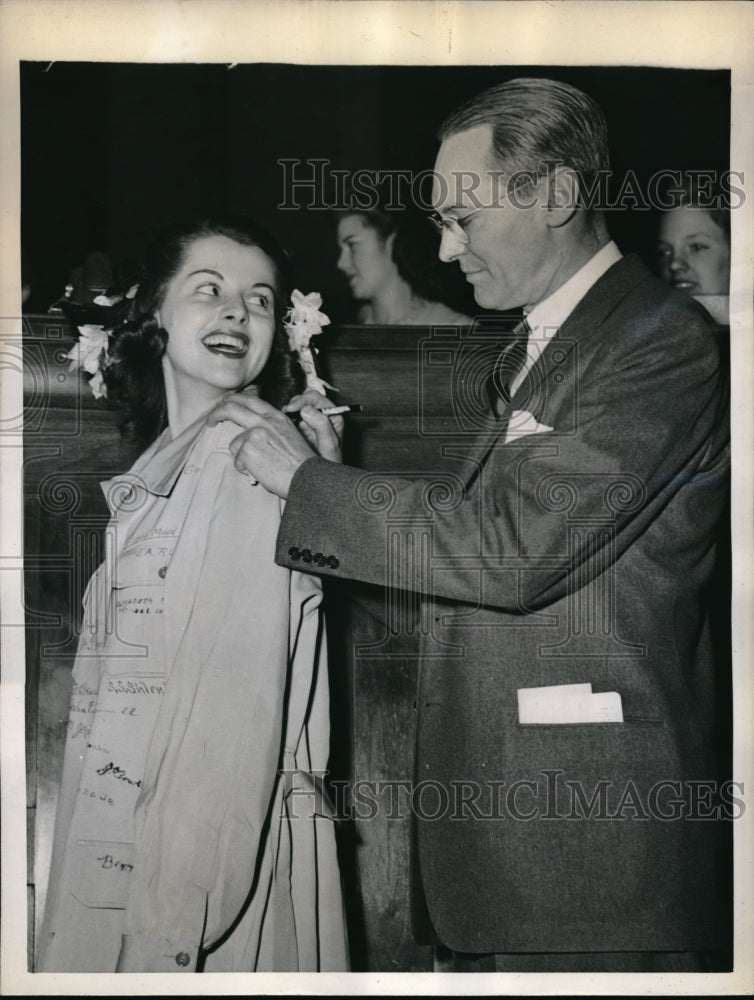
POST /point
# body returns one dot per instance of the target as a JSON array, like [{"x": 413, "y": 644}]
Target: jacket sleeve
[{"x": 650, "y": 422}]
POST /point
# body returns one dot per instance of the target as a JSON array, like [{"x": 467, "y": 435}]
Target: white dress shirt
[{"x": 547, "y": 316}]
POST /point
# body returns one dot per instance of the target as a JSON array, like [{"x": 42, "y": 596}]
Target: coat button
[
  {"x": 333, "y": 562},
  {"x": 182, "y": 959},
  {"x": 306, "y": 555},
  {"x": 162, "y": 571},
  {"x": 294, "y": 553},
  {"x": 319, "y": 559}
]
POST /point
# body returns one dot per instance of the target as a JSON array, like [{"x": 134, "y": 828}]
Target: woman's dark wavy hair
[
  {"x": 133, "y": 375},
  {"x": 415, "y": 250}
]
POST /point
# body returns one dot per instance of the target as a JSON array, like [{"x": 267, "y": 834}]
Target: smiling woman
[
  {"x": 202, "y": 286},
  {"x": 221, "y": 307},
  {"x": 199, "y": 713},
  {"x": 693, "y": 247}
]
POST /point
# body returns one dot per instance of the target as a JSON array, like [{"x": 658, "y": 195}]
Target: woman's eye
[
  {"x": 209, "y": 288},
  {"x": 663, "y": 252},
  {"x": 699, "y": 246},
  {"x": 260, "y": 299}
]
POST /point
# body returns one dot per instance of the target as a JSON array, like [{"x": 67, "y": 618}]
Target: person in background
[
  {"x": 693, "y": 255},
  {"x": 390, "y": 261},
  {"x": 87, "y": 282},
  {"x": 94, "y": 277},
  {"x": 693, "y": 248}
]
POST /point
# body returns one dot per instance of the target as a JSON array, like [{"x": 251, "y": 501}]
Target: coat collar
[
  {"x": 161, "y": 464},
  {"x": 581, "y": 326},
  {"x": 158, "y": 468}
]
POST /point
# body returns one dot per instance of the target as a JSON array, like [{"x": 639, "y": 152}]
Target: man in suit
[{"x": 566, "y": 710}]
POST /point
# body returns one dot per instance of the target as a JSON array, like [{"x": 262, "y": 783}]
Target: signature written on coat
[
  {"x": 119, "y": 773},
  {"x": 108, "y": 862}
]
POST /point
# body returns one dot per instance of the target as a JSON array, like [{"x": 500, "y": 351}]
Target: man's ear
[{"x": 562, "y": 196}]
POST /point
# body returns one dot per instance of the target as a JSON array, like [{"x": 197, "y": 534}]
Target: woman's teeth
[{"x": 232, "y": 345}]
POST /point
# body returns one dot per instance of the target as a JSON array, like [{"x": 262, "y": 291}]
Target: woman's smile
[{"x": 233, "y": 344}]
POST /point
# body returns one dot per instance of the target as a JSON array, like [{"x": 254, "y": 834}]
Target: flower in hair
[
  {"x": 90, "y": 354},
  {"x": 302, "y": 321}
]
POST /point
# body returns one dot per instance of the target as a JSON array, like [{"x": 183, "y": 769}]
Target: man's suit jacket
[{"x": 578, "y": 554}]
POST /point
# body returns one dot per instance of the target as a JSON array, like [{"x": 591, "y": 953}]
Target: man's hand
[
  {"x": 323, "y": 433},
  {"x": 271, "y": 448}
]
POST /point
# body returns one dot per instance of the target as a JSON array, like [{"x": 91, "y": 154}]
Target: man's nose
[{"x": 450, "y": 246}]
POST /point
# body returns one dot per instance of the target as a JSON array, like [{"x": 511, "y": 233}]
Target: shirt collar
[{"x": 549, "y": 315}]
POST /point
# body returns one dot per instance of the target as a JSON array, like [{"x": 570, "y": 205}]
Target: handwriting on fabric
[
  {"x": 119, "y": 773},
  {"x": 108, "y": 862}
]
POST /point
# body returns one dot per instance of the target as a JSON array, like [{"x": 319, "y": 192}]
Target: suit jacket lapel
[{"x": 580, "y": 327}]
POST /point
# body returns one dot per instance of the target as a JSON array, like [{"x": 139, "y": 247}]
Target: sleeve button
[
  {"x": 294, "y": 553},
  {"x": 182, "y": 959},
  {"x": 162, "y": 571},
  {"x": 319, "y": 559},
  {"x": 306, "y": 555},
  {"x": 333, "y": 562}
]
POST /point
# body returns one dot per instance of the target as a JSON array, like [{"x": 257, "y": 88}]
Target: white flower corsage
[
  {"x": 90, "y": 354},
  {"x": 302, "y": 321}
]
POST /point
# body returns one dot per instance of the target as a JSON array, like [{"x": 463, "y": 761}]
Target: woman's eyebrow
[
  {"x": 218, "y": 274},
  {"x": 204, "y": 270}
]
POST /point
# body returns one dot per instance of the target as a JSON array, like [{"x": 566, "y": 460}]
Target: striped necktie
[{"x": 508, "y": 364}]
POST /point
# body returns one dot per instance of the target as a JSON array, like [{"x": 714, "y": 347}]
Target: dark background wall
[{"x": 111, "y": 152}]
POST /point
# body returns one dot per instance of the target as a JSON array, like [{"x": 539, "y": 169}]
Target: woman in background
[
  {"x": 693, "y": 255},
  {"x": 191, "y": 831},
  {"x": 392, "y": 267},
  {"x": 693, "y": 249}
]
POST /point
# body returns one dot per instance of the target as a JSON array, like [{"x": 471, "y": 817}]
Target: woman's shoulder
[
  {"x": 217, "y": 437},
  {"x": 212, "y": 451},
  {"x": 434, "y": 313}
]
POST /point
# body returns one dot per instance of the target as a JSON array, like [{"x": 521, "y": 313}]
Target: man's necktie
[{"x": 508, "y": 364}]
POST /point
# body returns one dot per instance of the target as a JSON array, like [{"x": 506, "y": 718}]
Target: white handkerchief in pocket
[
  {"x": 564, "y": 703},
  {"x": 521, "y": 423}
]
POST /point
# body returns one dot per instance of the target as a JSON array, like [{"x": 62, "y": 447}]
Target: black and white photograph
[{"x": 377, "y": 517}]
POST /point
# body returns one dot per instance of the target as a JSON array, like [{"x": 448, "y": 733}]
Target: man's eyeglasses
[{"x": 458, "y": 228}]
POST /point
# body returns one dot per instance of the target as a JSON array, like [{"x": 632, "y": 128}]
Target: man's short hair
[{"x": 535, "y": 122}]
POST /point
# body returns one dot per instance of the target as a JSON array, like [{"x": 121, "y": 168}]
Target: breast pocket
[
  {"x": 102, "y": 872},
  {"x": 137, "y": 606},
  {"x": 142, "y": 565}
]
